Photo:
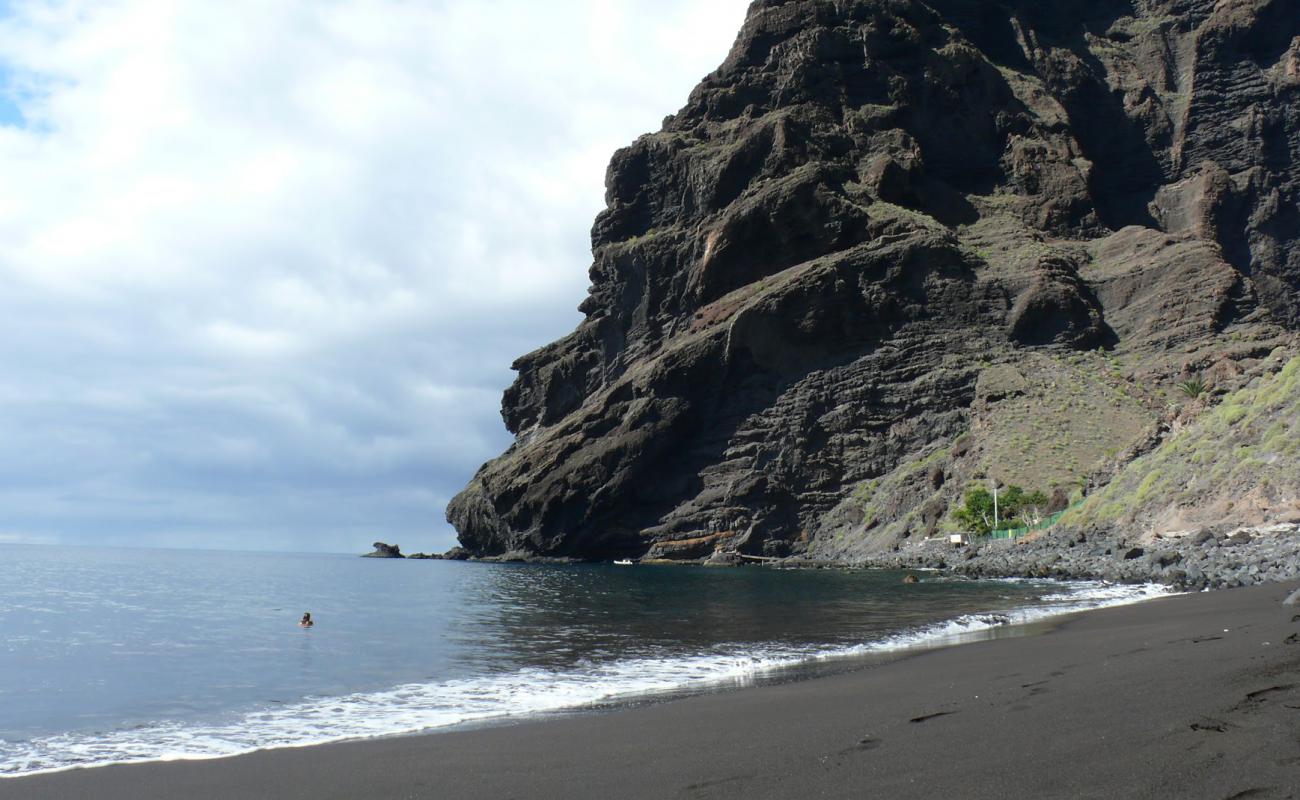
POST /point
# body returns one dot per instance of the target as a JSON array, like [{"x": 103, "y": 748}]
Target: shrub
[{"x": 1192, "y": 387}]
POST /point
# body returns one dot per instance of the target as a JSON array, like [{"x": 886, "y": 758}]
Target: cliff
[{"x": 891, "y": 247}]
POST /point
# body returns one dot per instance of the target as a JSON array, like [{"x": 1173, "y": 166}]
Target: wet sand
[{"x": 1194, "y": 696}]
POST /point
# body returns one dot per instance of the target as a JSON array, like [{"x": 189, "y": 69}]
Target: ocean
[{"x": 125, "y": 655}]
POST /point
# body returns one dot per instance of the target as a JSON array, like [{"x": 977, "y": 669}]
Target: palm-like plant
[{"x": 1192, "y": 387}]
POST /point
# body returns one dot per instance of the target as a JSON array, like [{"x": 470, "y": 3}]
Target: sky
[{"x": 266, "y": 263}]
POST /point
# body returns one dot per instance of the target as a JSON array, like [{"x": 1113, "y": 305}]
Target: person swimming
[{"x": 306, "y": 622}]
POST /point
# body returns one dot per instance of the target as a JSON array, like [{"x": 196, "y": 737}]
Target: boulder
[{"x": 1165, "y": 558}]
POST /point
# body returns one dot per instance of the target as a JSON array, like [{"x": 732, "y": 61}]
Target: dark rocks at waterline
[
  {"x": 1190, "y": 559},
  {"x": 453, "y": 554},
  {"x": 384, "y": 550}
]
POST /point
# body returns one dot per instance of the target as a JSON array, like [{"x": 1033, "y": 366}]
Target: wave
[{"x": 418, "y": 707}]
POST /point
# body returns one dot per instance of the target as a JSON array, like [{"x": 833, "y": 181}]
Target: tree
[
  {"x": 1013, "y": 503},
  {"x": 976, "y": 515},
  {"x": 1033, "y": 509}
]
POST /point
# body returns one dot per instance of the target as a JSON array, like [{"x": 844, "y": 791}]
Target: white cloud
[{"x": 267, "y": 263}]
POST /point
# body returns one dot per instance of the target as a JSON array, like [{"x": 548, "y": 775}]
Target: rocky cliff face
[{"x": 890, "y": 247}]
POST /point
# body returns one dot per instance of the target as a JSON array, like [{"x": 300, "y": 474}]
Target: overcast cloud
[{"x": 266, "y": 264}]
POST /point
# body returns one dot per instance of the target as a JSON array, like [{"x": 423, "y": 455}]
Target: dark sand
[{"x": 1196, "y": 696}]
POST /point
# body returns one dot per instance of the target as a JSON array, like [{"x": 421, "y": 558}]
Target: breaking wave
[{"x": 418, "y": 707}]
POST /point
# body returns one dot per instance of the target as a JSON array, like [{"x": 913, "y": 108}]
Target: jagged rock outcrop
[
  {"x": 801, "y": 282},
  {"x": 384, "y": 550}
]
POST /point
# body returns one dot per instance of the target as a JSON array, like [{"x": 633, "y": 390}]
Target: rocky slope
[
  {"x": 891, "y": 247},
  {"x": 1208, "y": 558}
]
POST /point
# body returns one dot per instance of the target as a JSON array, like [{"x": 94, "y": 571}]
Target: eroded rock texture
[{"x": 800, "y": 280}]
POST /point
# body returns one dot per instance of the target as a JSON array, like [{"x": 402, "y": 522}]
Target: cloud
[{"x": 267, "y": 263}]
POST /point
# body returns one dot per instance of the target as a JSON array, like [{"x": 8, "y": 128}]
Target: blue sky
[
  {"x": 11, "y": 96},
  {"x": 267, "y": 263},
  {"x": 10, "y": 112}
]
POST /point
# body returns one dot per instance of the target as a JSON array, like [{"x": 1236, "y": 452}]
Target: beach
[{"x": 1190, "y": 696}]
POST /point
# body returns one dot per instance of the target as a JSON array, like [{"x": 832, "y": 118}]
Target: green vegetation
[
  {"x": 637, "y": 239},
  {"x": 1233, "y": 413},
  {"x": 1148, "y": 484},
  {"x": 1013, "y": 503},
  {"x": 887, "y": 210},
  {"x": 864, "y": 491},
  {"x": 1244, "y": 447},
  {"x": 1192, "y": 387}
]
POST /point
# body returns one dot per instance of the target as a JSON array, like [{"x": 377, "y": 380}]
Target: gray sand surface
[{"x": 1194, "y": 696}]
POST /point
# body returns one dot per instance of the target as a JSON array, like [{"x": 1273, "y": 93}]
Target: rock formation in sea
[
  {"x": 384, "y": 550},
  {"x": 891, "y": 249}
]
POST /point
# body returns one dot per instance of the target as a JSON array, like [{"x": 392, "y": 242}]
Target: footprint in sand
[
  {"x": 925, "y": 717},
  {"x": 869, "y": 743},
  {"x": 1213, "y": 725}
]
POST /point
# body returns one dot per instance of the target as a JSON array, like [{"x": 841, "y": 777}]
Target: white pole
[{"x": 995, "y": 503}]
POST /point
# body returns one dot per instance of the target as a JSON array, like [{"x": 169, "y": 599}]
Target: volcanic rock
[
  {"x": 890, "y": 248},
  {"x": 383, "y": 550}
]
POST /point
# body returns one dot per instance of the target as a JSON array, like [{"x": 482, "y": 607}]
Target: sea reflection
[{"x": 552, "y": 617}]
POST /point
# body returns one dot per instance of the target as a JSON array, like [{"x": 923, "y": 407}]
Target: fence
[{"x": 1043, "y": 524}]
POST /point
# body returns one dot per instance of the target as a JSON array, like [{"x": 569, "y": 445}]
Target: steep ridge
[{"x": 891, "y": 247}]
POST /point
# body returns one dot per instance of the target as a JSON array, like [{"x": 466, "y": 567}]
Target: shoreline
[
  {"x": 739, "y": 671},
  {"x": 1136, "y": 665},
  {"x": 1211, "y": 557}
]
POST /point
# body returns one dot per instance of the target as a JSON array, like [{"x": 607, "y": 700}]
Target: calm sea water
[{"x": 111, "y": 655}]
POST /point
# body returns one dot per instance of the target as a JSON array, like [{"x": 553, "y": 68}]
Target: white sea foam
[{"x": 419, "y": 707}]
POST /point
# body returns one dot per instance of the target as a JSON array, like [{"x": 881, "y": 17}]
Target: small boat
[{"x": 624, "y": 562}]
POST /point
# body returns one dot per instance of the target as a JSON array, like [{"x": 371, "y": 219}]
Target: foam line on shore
[{"x": 413, "y": 708}]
